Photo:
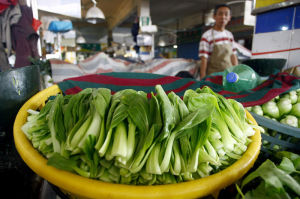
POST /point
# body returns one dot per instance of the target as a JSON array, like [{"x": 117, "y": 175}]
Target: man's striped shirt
[{"x": 221, "y": 37}]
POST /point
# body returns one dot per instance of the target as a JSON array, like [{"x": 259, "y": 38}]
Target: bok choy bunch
[{"x": 130, "y": 139}]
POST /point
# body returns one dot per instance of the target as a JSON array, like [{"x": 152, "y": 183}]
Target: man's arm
[
  {"x": 234, "y": 60},
  {"x": 203, "y": 67}
]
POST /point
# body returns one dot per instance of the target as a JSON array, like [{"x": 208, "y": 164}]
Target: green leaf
[
  {"x": 262, "y": 192},
  {"x": 60, "y": 162},
  {"x": 173, "y": 99},
  {"x": 167, "y": 112},
  {"x": 150, "y": 139},
  {"x": 111, "y": 111},
  {"x": 274, "y": 177},
  {"x": 152, "y": 165},
  {"x": 70, "y": 111},
  {"x": 239, "y": 109},
  {"x": 45, "y": 110},
  {"x": 287, "y": 154},
  {"x": 287, "y": 166},
  {"x": 226, "y": 106},
  {"x": 155, "y": 112},
  {"x": 187, "y": 95},
  {"x": 73, "y": 131},
  {"x": 101, "y": 100},
  {"x": 185, "y": 146},
  {"x": 93, "y": 129},
  {"x": 119, "y": 145},
  {"x": 297, "y": 164},
  {"x": 206, "y": 89},
  {"x": 84, "y": 102},
  {"x": 147, "y": 140},
  {"x": 195, "y": 118},
  {"x": 183, "y": 110},
  {"x": 206, "y": 126},
  {"x": 57, "y": 134},
  {"x": 141, "y": 154},
  {"x": 59, "y": 121},
  {"x": 80, "y": 133},
  {"x": 239, "y": 190},
  {"x": 119, "y": 115},
  {"x": 197, "y": 100},
  {"x": 131, "y": 139},
  {"x": 194, "y": 134},
  {"x": 101, "y": 136},
  {"x": 89, "y": 147},
  {"x": 138, "y": 110},
  {"x": 188, "y": 122},
  {"x": 115, "y": 100},
  {"x": 69, "y": 120}
]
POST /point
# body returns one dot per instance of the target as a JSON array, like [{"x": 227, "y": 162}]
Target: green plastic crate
[{"x": 285, "y": 138}]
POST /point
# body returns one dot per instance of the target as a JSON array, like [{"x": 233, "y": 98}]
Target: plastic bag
[{"x": 60, "y": 26}]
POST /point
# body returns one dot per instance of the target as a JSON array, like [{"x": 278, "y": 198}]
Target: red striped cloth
[{"x": 275, "y": 85}]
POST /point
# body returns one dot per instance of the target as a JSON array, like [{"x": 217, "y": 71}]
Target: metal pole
[{"x": 35, "y": 13}]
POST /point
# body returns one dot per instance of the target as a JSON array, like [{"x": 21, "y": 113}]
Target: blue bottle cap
[{"x": 231, "y": 77}]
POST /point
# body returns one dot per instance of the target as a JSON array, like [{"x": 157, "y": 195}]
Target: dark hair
[{"x": 220, "y": 6}]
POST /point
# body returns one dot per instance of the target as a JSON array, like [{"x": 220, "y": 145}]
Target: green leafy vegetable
[
  {"x": 274, "y": 181},
  {"x": 130, "y": 139}
]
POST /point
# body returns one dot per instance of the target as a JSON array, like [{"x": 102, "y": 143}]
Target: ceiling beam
[
  {"x": 59, "y": 16},
  {"x": 120, "y": 13},
  {"x": 80, "y": 24}
]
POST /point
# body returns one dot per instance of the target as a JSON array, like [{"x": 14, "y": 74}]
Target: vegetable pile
[
  {"x": 283, "y": 108},
  {"x": 130, "y": 139},
  {"x": 271, "y": 181}
]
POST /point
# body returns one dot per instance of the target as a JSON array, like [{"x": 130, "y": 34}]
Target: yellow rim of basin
[{"x": 89, "y": 188}]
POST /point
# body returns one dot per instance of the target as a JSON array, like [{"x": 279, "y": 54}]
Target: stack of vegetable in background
[
  {"x": 278, "y": 176},
  {"x": 283, "y": 108},
  {"x": 285, "y": 111},
  {"x": 130, "y": 139}
]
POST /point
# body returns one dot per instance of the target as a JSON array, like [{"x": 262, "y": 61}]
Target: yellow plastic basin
[{"x": 89, "y": 188}]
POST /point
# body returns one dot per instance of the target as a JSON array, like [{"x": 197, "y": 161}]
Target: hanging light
[
  {"x": 94, "y": 14},
  {"x": 80, "y": 40}
]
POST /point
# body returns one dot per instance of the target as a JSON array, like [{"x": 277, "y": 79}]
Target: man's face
[{"x": 222, "y": 16}]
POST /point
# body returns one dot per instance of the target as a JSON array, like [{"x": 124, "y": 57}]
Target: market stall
[{"x": 117, "y": 83}]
